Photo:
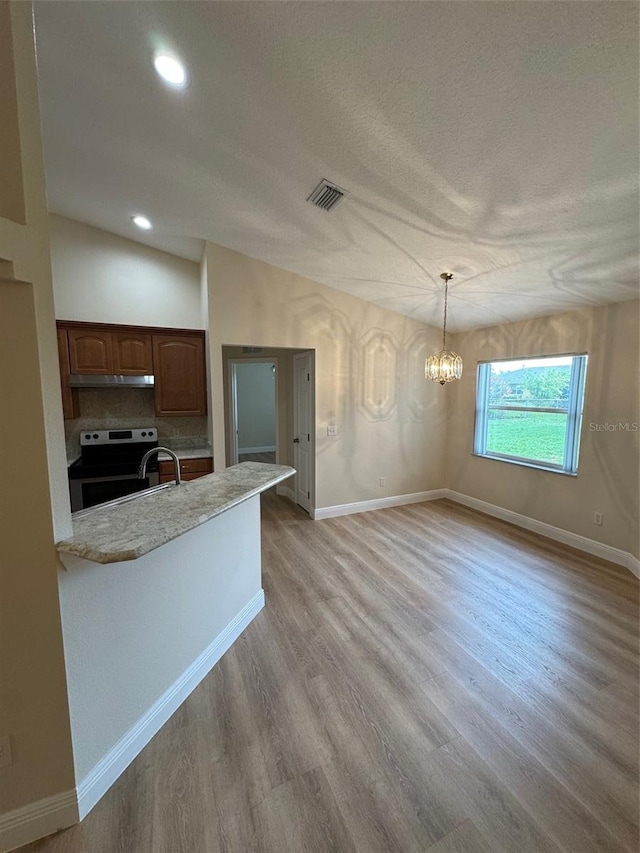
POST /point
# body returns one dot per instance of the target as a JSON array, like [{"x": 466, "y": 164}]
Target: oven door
[{"x": 97, "y": 490}]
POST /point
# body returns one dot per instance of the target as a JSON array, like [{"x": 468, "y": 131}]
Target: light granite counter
[
  {"x": 132, "y": 529},
  {"x": 202, "y": 451}
]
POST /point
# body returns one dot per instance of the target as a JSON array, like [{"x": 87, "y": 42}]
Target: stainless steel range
[{"x": 108, "y": 466}]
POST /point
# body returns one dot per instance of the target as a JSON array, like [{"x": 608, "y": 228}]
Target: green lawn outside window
[{"x": 530, "y": 411}]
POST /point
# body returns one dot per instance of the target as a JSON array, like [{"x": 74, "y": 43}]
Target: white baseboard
[
  {"x": 286, "y": 492},
  {"x": 97, "y": 782},
  {"x": 378, "y": 503},
  {"x": 574, "y": 540},
  {"x": 269, "y": 448},
  {"x": 38, "y": 819}
]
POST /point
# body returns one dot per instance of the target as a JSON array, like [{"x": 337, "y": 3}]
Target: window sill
[{"x": 536, "y": 465}]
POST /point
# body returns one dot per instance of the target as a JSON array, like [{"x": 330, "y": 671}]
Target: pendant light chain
[{"x": 444, "y": 329}]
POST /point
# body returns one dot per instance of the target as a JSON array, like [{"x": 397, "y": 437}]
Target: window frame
[{"x": 573, "y": 411}]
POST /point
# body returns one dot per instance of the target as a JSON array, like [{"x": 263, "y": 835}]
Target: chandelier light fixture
[{"x": 446, "y": 365}]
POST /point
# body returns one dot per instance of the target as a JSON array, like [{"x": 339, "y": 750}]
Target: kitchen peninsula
[
  {"x": 180, "y": 580},
  {"x": 130, "y": 530}
]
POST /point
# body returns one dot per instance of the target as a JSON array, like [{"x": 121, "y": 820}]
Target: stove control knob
[
  {"x": 144, "y": 433},
  {"x": 95, "y": 435},
  {"x": 87, "y": 436}
]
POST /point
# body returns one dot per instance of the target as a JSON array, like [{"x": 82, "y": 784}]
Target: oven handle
[{"x": 82, "y": 480}]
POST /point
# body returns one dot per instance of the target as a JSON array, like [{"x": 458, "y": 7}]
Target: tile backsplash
[{"x": 123, "y": 408}]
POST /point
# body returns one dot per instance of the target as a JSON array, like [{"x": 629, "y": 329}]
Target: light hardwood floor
[
  {"x": 422, "y": 679},
  {"x": 268, "y": 456}
]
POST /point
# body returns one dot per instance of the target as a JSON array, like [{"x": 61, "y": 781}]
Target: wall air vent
[
  {"x": 251, "y": 349},
  {"x": 327, "y": 195}
]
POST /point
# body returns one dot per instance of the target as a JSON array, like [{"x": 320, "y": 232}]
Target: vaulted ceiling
[{"x": 497, "y": 141}]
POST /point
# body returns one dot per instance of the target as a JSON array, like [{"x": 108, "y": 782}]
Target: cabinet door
[
  {"x": 178, "y": 363},
  {"x": 69, "y": 395},
  {"x": 90, "y": 351},
  {"x": 132, "y": 355}
]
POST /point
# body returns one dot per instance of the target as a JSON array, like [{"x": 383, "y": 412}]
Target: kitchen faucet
[{"x": 142, "y": 470}]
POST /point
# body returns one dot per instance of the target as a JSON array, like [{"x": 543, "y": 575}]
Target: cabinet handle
[{"x": 296, "y": 441}]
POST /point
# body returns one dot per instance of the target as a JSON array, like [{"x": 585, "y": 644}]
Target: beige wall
[
  {"x": 100, "y": 277},
  {"x": 609, "y": 465},
  {"x": 33, "y": 697},
  {"x": 12, "y": 194},
  {"x": 369, "y": 376},
  {"x": 27, "y": 247},
  {"x": 33, "y": 701}
]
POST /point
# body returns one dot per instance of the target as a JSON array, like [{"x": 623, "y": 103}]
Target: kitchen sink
[{"x": 123, "y": 500}]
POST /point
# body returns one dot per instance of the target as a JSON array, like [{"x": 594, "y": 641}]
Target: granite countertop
[
  {"x": 202, "y": 451},
  {"x": 132, "y": 529}
]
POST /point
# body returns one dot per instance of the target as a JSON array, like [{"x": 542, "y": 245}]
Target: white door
[
  {"x": 233, "y": 414},
  {"x": 302, "y": 428}
]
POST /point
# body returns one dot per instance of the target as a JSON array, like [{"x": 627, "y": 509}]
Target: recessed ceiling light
[
  {"x": 142, "y": 222},
  {"x": 171, "y": 70}
]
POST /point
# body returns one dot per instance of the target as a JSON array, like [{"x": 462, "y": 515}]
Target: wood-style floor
[
  {"x": 268, "y": 456},
  {"x": 422, "y": 679}
]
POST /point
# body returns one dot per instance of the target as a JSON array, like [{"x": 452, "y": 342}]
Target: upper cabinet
[
  {"x": 97, "y": 351},
  {"x": 180, "y": 375},
  {"x": 176, "y": 358},
  {"x": 132, "y": 354},
  {"x": 90, "y": 351}
]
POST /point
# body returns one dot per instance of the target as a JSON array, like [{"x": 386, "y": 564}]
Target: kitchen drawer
[
  {"x": 193, "y": 466},
  {"x": 198, "y": 467}
]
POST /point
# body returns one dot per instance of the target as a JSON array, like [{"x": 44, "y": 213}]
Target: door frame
[
  {"x": 311, "y": 353},
  {"x": 233, "y": 405}
]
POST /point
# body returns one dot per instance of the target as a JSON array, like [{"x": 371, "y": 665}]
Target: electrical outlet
[
  {"x": 382, "y": 482},
  {"x": 332, "y": 429},
  {"x": 597, "y": 518},
  {"x": 5, "y": 751}
]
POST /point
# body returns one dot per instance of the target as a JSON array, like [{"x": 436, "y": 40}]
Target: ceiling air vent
[{"x": 327, "y": 195}]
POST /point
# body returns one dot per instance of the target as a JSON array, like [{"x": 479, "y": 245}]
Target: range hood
[{"x": 88, "y": 380}]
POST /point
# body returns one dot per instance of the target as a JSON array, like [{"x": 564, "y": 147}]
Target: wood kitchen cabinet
[
  {"x": 70, "y": 407},
  {"x": 90, "y": 351},
  {"x": 178, "y": 363},
  {"x": 100, "y": 352},
  {"x": 190, "y": 469},
  {"x": 132, "y": 354},
  {"x": 175, "y": 357}
]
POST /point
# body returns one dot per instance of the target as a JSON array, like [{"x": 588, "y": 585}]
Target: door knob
[{"x": 296, "y": 441}]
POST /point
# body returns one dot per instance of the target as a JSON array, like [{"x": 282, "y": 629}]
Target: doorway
[
  {"x": 254, "y": 410},
  {"x": 294, "y": 381}
]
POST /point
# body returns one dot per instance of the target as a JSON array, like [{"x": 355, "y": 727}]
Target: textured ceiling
[{"x": 498, "y": 141}]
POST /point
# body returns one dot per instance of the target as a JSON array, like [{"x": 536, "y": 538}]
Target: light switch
[{"x": 332, "y": 429}]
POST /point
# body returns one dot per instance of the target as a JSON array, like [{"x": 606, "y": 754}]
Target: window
[{"x": 529, "y": 411}]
